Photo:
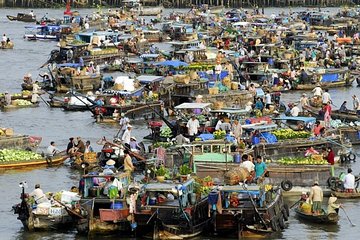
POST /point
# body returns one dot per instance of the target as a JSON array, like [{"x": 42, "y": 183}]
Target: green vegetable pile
[
  {"x": 15, "y": 155},
  {"x": 21, "y": 102},
  {"x": 301, "y": 161},
  {"x": 166, "y": 132},
  {"x": 282, "y": 134}
]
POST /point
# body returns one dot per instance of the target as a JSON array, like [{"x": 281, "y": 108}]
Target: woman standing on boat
[{"x": 327, "y": 114}]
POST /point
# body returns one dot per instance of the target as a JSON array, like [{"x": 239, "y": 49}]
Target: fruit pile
[
  {"x": 15, "y": 155},
  {"x": 166, "y": 132},
  {"x": 219, "y": 134},
  {"x": 21, "y": 102},
  {"x": 282, "y": 134},
  {"x": 26, "y": 93},
  {"x": 301, "y": 161}
]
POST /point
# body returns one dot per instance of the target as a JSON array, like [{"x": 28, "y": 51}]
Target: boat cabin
[{"x": 97, "y": 38}]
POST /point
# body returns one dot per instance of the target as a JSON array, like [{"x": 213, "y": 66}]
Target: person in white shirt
[
  {"x": 52, "y": 150},
  {"x": 317, "y": 91},
  {"x": 38, "y": 195},
  {"x": 304, "y": 101},
  {"x": 294, "y": 110},
  {"x": 218, "y": 69},
  {"x": 193, "y": 126},
  {"x": 127, "y": 135},
  {"x": 267, "y": 99},
  {"x": 218, "y": 124},
  {"x": 123, "y": 122},
  {"x": 247, "y": 164},
  {"x": 356, "y": 104},
  {"x": 349, "y": 181},
  {"x": 326, "y": 97}
]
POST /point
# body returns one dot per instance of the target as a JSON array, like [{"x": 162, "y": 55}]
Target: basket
[
  {"x": 234, "y": 86},
  {"x": 90, "y": 157},
  {"x": 214, "y": 91},
  {"x": 236, "y": 175},
  {"x": 118, "y": 86},
  {"x": 182, "y": 79},
  {"x": 317, "y": 157},
  {"x": 218, "y": 105},
  {"x": 9, "y": 132}
]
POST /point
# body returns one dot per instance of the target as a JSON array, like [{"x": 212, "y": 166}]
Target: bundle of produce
[
  {"x": 302, "y": 161},
  {"x": 306, "y": 207},
  {"x": 236, "y": 175},
  {"x": 15, "y": 155},
  {"x": 166, "y": 132},
  {"x": 21, "y": 102},
  {"x": 290, "y": 134},
  {"x": 219, "y": 134}
]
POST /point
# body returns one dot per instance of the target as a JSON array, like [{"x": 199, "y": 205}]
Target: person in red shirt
[
  {"x": 331, "y": 156},
  {"x": 317, "y": 128},
  {"x": 327, "y": 114}
]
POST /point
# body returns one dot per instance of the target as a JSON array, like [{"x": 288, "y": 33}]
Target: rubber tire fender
[
  {"x": 286, "y": 212},
  {"x": 332, "y": 182},
  {"x": 281, "y": 221},
  {"x": 352, "y": 157},
  {"x": 286, "y": 185}
]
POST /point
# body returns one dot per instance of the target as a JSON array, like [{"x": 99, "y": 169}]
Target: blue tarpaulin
[
  {"x": 333, "y": 77},
  {"x": 206, "y": 136}
]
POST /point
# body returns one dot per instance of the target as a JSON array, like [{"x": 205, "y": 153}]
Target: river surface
[{"x": 57, "y": 125}]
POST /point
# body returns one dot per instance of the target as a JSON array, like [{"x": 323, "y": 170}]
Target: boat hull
[
  {"x": 331, "y": 218},
  {"x": 35, "y": 163},
  {"x": 346, "y": 195}
]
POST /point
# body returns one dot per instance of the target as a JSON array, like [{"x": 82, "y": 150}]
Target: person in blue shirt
[
  {"x": 259, "y": 104},
  {"x": 260, "y": 168}
]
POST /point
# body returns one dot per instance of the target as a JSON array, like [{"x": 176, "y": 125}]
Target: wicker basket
[
  {"x": 236, "y": 175},
  {"x": 234, "y": 86},
  {"x": 218, "y": 105},
  {"x": 214, "y": 91}
]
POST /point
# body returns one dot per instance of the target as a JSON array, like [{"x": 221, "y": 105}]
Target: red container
[{"x": 113, "y": 214}]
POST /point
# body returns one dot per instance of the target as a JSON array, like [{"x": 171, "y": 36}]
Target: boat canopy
[
  {"x": 192, "y": 105},
  {"x": 302, "y": 119},
  {"x": 147, "y": 79},
  {"x": 231, "y": 111},
  {"x": 72, "y": 65}
]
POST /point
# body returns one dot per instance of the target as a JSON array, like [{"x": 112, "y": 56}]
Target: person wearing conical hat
[{"x": 333, "y": 207}]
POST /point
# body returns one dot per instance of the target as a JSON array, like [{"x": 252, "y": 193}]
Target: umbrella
[{"x": 172, "y": 63}]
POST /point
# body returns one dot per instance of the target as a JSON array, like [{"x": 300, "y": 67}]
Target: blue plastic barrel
[
  {"x": 237, "y": 158},
  {"x": 117, "y": 205}
]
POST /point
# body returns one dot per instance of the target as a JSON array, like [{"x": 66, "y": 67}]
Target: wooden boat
[
  {"x": 327, "y": 78},
  {"x": 101, "y": 214},
  {"x": 11, "y": 141},
  {"x": 351, "y": 133},
  {"x": 45, "y": 216},
  {"x": 23, "y": 17},
  {"x": 8, "y": 45},
  {"x": 346, "y": 195},
  {"x": 324, "y": 218},
  {"x": 42, "y": 32},
  {"x": 56, "y": 160},
  {"x": 15, "y": 106},
  {"x": 171, "y": 218},
  {"x": 348, "y": 116},
  {"x": 147, "y": 11},
  {"x": 250, "y": 209}
]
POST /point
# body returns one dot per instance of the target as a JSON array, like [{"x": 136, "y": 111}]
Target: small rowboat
[
  {"x": 324, "y": 218},
  {"x": 12, "y": 106},
  {"x": 56, "y": 160},
  {"x": 346, "y": 194}
]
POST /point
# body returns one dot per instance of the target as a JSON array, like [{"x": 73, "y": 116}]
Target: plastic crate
[{"x": 113, "y": 214}]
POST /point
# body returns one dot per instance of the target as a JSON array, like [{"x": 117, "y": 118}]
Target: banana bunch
[
  {"x": 301, "y": 161},
  {"x": 282, "y": 134}
]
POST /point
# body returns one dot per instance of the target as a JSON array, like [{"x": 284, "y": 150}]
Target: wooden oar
[
  {"x": 297, "y": 202},
  {"x": 352, "y": 224}
]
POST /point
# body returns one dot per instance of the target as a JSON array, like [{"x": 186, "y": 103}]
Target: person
[
  {"x": 38, "y": 195},
  {"x": 317, "y": 91},
  {"x": 80, "y": 146},
  {"x": 217, "y": 70},
  {"x": 237, "y": 130},
  {"x": 356, "y": 104},
  {"x": 310, "y": 152},
  {"x": 70, "y": 149},
  {"x": 124, "y": 121},
  {"x": 304, "y": 102},
  {"x": 349, "y": 181},
  {"x": 225, "y": 125},
  {"x": 333, "y": 207},
  {"x": 343, "y": 107},
  {"x": 88, "y": 147},
  {"x": 316, "y": 197},
  {"x": 127, "y": 135},
  {"x": 193, "y": 126},
  {"x": 52, "y": 150},
  {"x": 294, "y": 110},
  {"x": 218, "y": 124},
  {"x": 35, "y": 92},
  {"x": 252, "y": 89},
  {"x": 128, "y": 165},
  {"x": 326, "y": 97},
  {"x": 327, "y": 114},
  {"x": 134, "y": 146},
  {"x": 267, "y": 99},
  {"x": 260, "y": 168},
  {"x": 259, "y": 105},
  {"x": 7, "y": 98},
  {"x": 317, "y": 128},
  {"x": 4, "y": 38},
  {"x": 31, "y": 13},
  {"x": 247, "y": 164},
  {"x": 304, "y": 77},
  {"x": 330, "y": 156}
]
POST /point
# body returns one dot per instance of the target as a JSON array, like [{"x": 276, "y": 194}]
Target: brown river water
[{"x": 57, "y": 125}]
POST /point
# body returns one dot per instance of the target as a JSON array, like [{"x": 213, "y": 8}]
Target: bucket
[
  {"x": 116, "y": 205},
  {"x": 192, "y": 198},
  {"x": 152, "y": 201},
  {"x": 237, "y": 158}
]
